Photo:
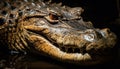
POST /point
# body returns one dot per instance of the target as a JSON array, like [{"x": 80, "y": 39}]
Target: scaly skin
[{"x": 53, "y": 30}]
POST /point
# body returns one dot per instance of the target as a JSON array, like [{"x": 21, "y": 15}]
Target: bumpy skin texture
[{"x": 53, "y": 30}]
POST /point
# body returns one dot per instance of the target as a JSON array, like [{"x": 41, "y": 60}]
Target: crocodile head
[
  {"x": 72, "y": 38},
  {"x": 57, "y": 31}
]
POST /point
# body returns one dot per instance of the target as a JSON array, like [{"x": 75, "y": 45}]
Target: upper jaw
[
  {"x": 88, "y": 40},
  {"x": 83, "y": 42}
]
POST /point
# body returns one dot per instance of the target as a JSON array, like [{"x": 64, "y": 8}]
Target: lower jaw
[
  {"x": 82, "y": 59},
  {"x": 52, "y": 51},
  {"x": 77, "y": 58}
]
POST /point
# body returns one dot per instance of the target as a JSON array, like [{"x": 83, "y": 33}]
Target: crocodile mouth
[
  {"x": 94, "y": 42},
  {"x": 70, "y": 40},
  {"x": 90, "y": 52},
  {"x": 86, "y": 43},
  {"x": 72, "y": 49},
  {"x": 67, "y": 48},
  {"x": 71, "y": 44}
]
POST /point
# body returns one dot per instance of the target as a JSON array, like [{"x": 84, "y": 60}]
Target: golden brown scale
[{"x": 53, "y": 30}]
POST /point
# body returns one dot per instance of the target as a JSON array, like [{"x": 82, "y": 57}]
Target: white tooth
[
  {"x": 60, "y": 40},
  {"x": 75, "y": 57},
  {"x": 72, "y": 41},
  {"x": 78, "y": 57},
  {"x": 66, "y": 41},
  {"x": 87, "y": 56},
  {"x": 81, "y": 57}
]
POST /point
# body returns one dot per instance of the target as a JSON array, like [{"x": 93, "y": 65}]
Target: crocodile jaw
[
  {"x": 49, "y": 49},
  {"x": 46, "y": 48},
  {"x": 88, "y": 41}
]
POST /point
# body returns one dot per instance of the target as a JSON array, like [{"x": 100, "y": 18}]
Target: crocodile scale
[{"x": 53, "y": 30}]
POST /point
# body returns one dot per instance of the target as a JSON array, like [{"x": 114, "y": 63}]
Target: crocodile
[{"x": 54, "y": 30}]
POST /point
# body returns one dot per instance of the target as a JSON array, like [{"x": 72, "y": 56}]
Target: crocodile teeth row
[{"x": 72, "y": 50}]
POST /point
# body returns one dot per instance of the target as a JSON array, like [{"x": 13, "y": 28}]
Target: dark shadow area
[
  {"x": 97, "y": 11},
  {"x": 41, "y": 62}
]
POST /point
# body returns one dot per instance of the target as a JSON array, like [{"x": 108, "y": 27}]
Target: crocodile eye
[
  {"x": 52, "y": 18},
  {"x": 2, "y": 21}
]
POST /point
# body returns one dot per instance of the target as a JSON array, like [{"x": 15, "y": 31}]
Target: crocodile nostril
[
  {"x": 2, "y": 21},
  {"x": 99, "y": 35},
  {"x": 107, "y": 31}
]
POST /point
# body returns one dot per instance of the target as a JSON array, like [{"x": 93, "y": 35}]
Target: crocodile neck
[{"x": 15, "y": 38}]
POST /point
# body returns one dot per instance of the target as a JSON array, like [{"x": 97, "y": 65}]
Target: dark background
[{"x": 95, "y": 10}]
